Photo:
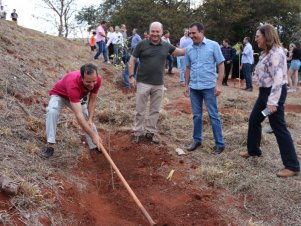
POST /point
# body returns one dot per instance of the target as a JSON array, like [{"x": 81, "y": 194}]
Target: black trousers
[
  {"x": 227, "y": 72},
  {"x": 278, "y": 124}
]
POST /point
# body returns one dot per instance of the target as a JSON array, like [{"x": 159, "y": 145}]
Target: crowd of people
[
  {"x": 14, "y": 16},
  {"x": 204, "y": 68}
]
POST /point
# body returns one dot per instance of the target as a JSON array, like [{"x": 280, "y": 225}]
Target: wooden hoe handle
[{"x": 128, "y": 188}]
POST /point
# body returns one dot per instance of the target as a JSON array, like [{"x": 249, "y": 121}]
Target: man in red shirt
[{"x": 72, "y": 91}]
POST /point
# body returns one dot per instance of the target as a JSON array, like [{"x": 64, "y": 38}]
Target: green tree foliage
[
  {"x": 222, "y": 18},
  {"x": 89, "y": 15},
  {"x": 237, "y": 19}
]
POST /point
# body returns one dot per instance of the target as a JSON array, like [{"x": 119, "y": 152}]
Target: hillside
[{"x": 78, "y": 187}]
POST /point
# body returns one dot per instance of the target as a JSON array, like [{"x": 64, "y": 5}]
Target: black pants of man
[
  {"x": 227, "y": 72},
  {"x": 278, "y": 124}
]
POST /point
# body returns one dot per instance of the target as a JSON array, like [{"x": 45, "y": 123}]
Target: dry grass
[{"x": 268, "y": 199}]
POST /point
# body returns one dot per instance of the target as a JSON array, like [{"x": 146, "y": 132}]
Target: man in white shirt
[
  {"x": 246, "y": 63},
  {"x": 2, "y": 13}
]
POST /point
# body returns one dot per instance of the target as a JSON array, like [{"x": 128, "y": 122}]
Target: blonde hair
[{"x": 271, "y": 36}]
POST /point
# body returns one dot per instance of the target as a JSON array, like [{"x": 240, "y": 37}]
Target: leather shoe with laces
[
  {"x": 47, "y": 153},
  {"x": 218, "y": 150},
  {"x": 153, "y": 138},
  {"x": 193, "y": 146},
  {"x": 286, "y": 173}
]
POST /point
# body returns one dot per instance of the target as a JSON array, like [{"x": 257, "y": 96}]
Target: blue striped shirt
[{"x": 202, "y": 60}]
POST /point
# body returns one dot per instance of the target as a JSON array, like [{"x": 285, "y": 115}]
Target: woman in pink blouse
[{"x": 271, "y": 72}]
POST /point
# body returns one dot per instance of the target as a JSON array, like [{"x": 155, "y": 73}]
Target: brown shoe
[
  {"x": 244, "y": 154},
  {"x": 286, "y": 173}
]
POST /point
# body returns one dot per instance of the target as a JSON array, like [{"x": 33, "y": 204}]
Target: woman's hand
[{"x": 272, "y": 109}]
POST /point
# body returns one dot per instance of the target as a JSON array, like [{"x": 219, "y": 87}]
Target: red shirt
[{"x": 72, "y": 88}]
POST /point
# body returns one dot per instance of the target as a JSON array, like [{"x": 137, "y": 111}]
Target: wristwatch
[{"x": 131, "y": 76}]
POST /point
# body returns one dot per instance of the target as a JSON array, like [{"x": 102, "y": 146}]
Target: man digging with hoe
[{"x": 72, "y": 91}]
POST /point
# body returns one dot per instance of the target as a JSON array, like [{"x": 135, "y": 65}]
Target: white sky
[{"x": 27, "y": 8}]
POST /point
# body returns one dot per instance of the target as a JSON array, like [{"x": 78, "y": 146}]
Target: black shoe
[
  {"x": 225, "y": 84},
  {"x": 152, "y": 138},
  {"x": 249, "y": 89},
  {"x": 96, "y": 150},
  {"x": 47, "y": 153},
  {"x": 193, "y": 146},
  {"x": 136, "y": 139},
  {"x": 218, "y": 150}
]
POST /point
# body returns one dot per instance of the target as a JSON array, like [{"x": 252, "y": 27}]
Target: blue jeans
[
  {"x": 101, "y": 49},
  {"x": 196, "y": 98},
  {"x": 170, "y": 62},
  {"x": 125, "y": 73},
  {"x": 182, "y": 69},
  {"x": 247, "y": 70}
]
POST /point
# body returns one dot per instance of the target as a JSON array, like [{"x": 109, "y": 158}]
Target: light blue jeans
[
  {"x": 182, "y": 69},
  {"x": 196, "y": 98},
  {"x": 53, "y": 110}
]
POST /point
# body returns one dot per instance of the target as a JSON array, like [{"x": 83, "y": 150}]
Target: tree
[
  {"x": 64, "y": 10},
  {"x": 89, "y": 15}
]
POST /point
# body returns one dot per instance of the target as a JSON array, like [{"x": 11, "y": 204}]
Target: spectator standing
[
  {"x": 14, "y": 16},
  {"x": 201, "y": 84},
  {"x": 92, "y": 41},
  {"x": 145, "y": 35},
  {"x": 2, "y": 13},
  {"x": 134, "y": 42},
  {"x": 152, "y": 54},
  {"x": 72, "y": 91},
  {"x": 271, "y": 73},
  {"x": 118, "y": 43},
  {"x": 123, "y": 32},
  {"x": 101, "y": 41},
  {"x": 185, "y": 41},
  {"x": 229, "y": 54},
  {"x": 169, "y": 58},
  {"x": 294, "y": 67},
  {"x": 110, "y": 47},
  {"x": 247, "y": 60}
]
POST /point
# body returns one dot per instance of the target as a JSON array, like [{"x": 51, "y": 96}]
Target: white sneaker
[
  {"x": 164, "y": 88},
  {"x": 291, "y": 90}
]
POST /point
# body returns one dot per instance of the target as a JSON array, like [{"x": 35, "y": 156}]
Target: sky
[{"x": 26, "y": 10}]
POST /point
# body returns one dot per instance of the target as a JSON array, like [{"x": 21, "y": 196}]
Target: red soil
[{"x": 145, "y": 167}]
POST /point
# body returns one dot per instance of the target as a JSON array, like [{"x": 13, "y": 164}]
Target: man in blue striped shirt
[{"x": 201, "y": 84}]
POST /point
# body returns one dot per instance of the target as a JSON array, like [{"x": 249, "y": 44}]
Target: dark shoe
[
  {"x": 152, "y": 138},
  {"x": 96, "y": 150},
  {"x": 193, "y": 146},
  {"x": 249, "y": 89},
  {"x": 286, "y": 173},
  {"x": 170, "y": 73},
  {"x": 136, "y": 139},
  {"x": 225, "y": 84},
  {"x": 47, "y": 153},
  {"x": 218, "y": 150}
]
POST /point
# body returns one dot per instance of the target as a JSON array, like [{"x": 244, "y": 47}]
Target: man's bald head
[
  {"x": 155, "y": 32},
  {"x": 156, "y": 25}
]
